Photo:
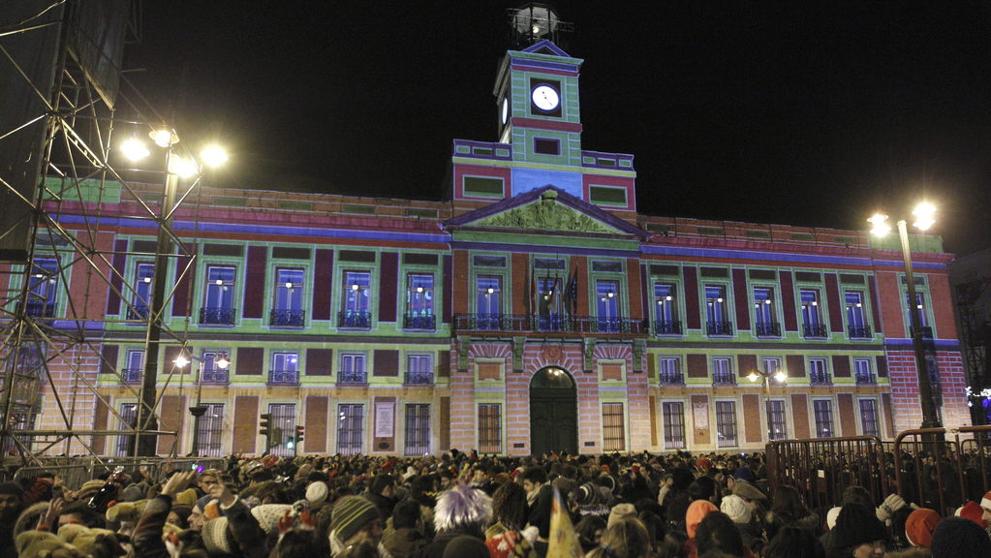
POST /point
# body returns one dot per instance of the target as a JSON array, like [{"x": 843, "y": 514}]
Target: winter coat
[
  {"x": 436, "y": 548},
  {"x": 403, "y": 543}
]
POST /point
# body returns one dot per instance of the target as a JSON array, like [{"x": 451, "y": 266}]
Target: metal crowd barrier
[
  {"x": 940, "y": 471},
  {"x": 77, "y": 470}
]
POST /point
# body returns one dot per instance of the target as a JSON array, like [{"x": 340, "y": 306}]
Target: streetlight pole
[
  {"x": 780, "y": 377},
  {"x": 199, "y": 409}
]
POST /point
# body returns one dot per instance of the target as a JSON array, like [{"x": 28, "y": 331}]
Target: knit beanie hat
[
  {"x": 351, "y": 514},
  {"x": 38, "y": 544},
  {"x": 316, "y": 493},
  {"x": 215, "y": 539},
  {"x": 620, "y": 512},
  {"x": 697, "y": 511},
  {"x": 920, "y": 525},
  {"x": 736, "y": 508},
  {"x": 957, "y": 537},
  {"x": 856, "y": 525},
  {"x": 89, "y": 488},
  {"x": 186, "y": 498},
  {"x": 268, "y": 515},
  {"x": 133, "y": 493},
  {"x": 831, "y": 516},
  {"x": 587, "y": 494},
  {"x": 466, "y": 546}
]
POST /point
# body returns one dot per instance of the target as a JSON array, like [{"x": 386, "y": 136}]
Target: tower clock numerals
[{"x": 545, "y": 97}]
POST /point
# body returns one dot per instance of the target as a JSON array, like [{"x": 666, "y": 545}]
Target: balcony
[
  {"x": 287, "y": 317},
  {"x": 283, "y": 377},
  {"x": 138, "y": 312},
  {"x": 718, "y": 328},
  {"x": 861, "y": 332},
  {"x": 866, "y": 378},
  {"x": 927, "y": 332},
  {"x": 563, "y": 324},
  {"x": 820, "y": 378},
  {"x": 428, "y": 323},
  {"x": 418, "y": 378},
  {"x": 723, "y": 379},
  {"x": 671, "y": 378},
  {"x": 215, "y": 377},
  {"x": 767, "y": 329},
  {"x": 217, "y": 316},
  {"x": 667, "y": 327},
  {"x": 354, "y": 320},
  {"x": 40, "y": 309},
  {"x": 814, "y": 331},
  {"x": 131, "y": 375},
  {"x": 352, "y": 378}
]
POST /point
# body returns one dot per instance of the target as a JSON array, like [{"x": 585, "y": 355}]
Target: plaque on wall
[{"x": 384, "y": 414}]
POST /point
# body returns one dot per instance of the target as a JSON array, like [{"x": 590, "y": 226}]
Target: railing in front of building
[
  {"x": 287, "y": 317},
  {"x": 352, "y": 378},
  {"x": 814, "y": 331},
  {"x": 418, "y": 378},
  {"x": 866, "y": 378},
  {"x": 428, "y": 323},
  {"x": 40, "y": 309},
  {"x": 861, "y": 332},
  {"x": 723, "y": 379},
  {"x": 217, "y": 316},
  {"x": 215, "y": 377},
  {"x": 137, "y": 312},
  {"x": 767, "y": 329},
  {"x": 667, "y": 327},
  {"x": 671, "y": 378},
  {"x": 563, "y": 324},
  {"x": 354, "y": 320},
  {"x": 820, "y": 378},
  {"x": 483, "y": 150},
  {"x": 718, "y": 328},
  {"x": 283, "y": 377},
  {"x": 927, "y": 332},
  {"x": 131, "y": 375}
]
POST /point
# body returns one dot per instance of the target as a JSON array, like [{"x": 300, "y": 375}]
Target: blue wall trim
[
  {"x": 902, "y": 343},
  {"x": 545, "y": 249},
  {"x": 780, "y": 257}
]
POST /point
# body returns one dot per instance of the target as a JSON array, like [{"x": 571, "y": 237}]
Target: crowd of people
[{"x": 462, "y": 505}]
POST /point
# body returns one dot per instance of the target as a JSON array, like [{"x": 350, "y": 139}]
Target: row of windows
[{"x": 669, "y": 370}]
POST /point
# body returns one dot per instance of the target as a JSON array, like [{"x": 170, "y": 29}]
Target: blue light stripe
[{"x": 779, "y": 257}]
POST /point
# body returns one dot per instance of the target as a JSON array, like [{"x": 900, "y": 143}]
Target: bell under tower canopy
[{"x": 533, "y": 22}]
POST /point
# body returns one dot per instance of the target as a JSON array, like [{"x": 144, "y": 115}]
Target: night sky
[{"x": 803, "y": 114}]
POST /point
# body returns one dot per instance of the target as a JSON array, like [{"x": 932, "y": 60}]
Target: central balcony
[
  {"x": 287, "y": 317},
  {"x": 723, "y": 379},
  {"x": 352, "y": 378},
  {"x": 354, "y": 320},
  {"x": 671, "y": 378},
  {"x": 579, "y": 325},
  {"x": 217, "y": 316},
  {"x": 866, "y": 378},
  {"x": 814, "y": 331},
  {"x": 667, "y": 327},
  {"x": 718, "y": 328},
  {"x": 767, "y": 329},
  {"x": 283, "y": 377},
  {"x": 215, "y": 377},
  {"x": 820, "y": 378},
  {"x": 131, "y": 375},
  {"x": 426, "y": 323},
  {"x": 418, "y": 378},
  {"x": 860, "y": 332}
]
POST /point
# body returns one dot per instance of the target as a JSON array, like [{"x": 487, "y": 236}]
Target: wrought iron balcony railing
[
  {"x": 564, "y": 324},
  {"x": 767, "y": 329},
  {"x": 927, "y": 332},
  {"x": 283, "y": 377},
  {"x": 352, "y": 378},
  {"x": 861, "y": 332},
  {"x": 418, "y": 378},
  {"x": 718, "y": 328},
  {"x": 354, "y": 320},
  {"x": 131, "y": 375},
  {"x": 866, "y": 378},
  {"x": 217, "y": 316},
  {"x": 215, "y": 377},
  {"x": 672, "y": 378},
  {"x": 667, "y": 327},
  {"x": 428, "y": 322},
  {"x": 723, "y": 378},
  {"x": 287, "y": 317},
  {"x": 137, "y": 312},
  {"x": 820, "y": 378},
  {"x": 40, "y": 309},
  {"x": 814, "y": 331}
]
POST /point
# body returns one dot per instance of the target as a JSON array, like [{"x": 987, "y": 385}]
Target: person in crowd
[
  {"x": 461, "y": 510},
  {"x": 11, "y": 504},
  {"x": 404, "y": 537},
  {"x": 506, "y": 537},
  {"x": 625, "y": 538},
  {"x": 858, "y": 534},
  {"x": 955, "y": 537}
]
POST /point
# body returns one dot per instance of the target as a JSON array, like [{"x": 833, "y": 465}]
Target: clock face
[
  {"x": 545, "y": 97},
  {"x": 505, "y": 109}
]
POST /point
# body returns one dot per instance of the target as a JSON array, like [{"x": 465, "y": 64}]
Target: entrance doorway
[{"x": 553, "y": 412}]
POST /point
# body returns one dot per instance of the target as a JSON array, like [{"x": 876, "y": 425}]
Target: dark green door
[{"x": 553, "y": 412}]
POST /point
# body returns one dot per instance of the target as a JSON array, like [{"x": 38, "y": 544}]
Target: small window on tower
[{"x": 546, "y": 146}]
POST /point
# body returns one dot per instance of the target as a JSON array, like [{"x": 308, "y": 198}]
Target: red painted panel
[
  {"x": 460, "y": 170},
  {"x": 599, "y": 180},
  {"x": 254, "y": 286},
  {"x": 644, "y": 294},
  {"x": 318, "y": 362},
  {"x": 108, "y": 359},
  {"x": 323, "y": 284},
  {"x": 546, "y": 124},
  {"x": 835, "y": 304},
  {"x": 633, "y": 275},
  {"x": 692, "y": 317},
  {"x": 746, "y": 364},
  {"x": 245, "y": 424},
  {"x": 316, "y": 424},
  {"x": 388, "y": 281},
  {"x": 875, "y": 307},
  {"x": 117, "y": 279},
  {"x": 740, "y": 298},
  {"x": 184, "y": 287},
  {"x": 448, "y": 290},
  {"x": 788, "y": 301}
]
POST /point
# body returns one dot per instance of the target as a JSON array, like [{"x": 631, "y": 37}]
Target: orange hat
[
  {"x": 920, "y": 525},
  {"x": 697, "y": 511},
  {"x": 703, "y": 463}
]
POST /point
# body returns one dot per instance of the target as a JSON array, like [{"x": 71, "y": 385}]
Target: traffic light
[
  {"x": 266, "y": 429},
  {"x": 299, "y": 434}
]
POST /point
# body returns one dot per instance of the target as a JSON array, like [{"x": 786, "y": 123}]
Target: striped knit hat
[{"x": 351, "y": 514}]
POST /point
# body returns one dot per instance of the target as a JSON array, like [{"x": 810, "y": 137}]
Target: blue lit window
[
  {"x": 665, "y": 309},
  {"x": 143, "y": 274},
  {"x": 549, "y": 303},
  {"x": 357, "y": 285},
  {"x": 420, "y": 297},
  {"x": 43, "y": 288},
  {"x": 488, "y": 301},
  {"x": 716, "y": 310},
  {"x": 920, "y": 305},
  {"x": 763, "y": 306},
  {"x": 810, "y": 308},
  {"x": 289, "y": 289},
  {"x": 855, "y": 312},
  {"x": 607, "y": 305}
]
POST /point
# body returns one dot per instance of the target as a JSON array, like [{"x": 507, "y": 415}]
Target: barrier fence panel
[
  {"x": 75, "y": 471},
  {"x": 942, "y": 469}
]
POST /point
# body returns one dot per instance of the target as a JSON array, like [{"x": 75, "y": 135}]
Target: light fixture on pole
[
  {"x": 925, "y": 217},
  {"x": 779, "y": 377},
  {"x": 199, "y": 409}
]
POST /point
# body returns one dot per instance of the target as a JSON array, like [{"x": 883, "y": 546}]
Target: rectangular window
[
  {"x": 352, "y": 370},
  {"x": 670, "y": 370},
  {"x": 350, "y": 428},
  {"x": 287, "y": 308},
  {"x": 212, "y": 373},
  {"x": 490, "y": 428},
  {"x": 771, "y": 365},
  {"x": 855, "y": 316},
  {"x": 219, "y": 301},
  {"x": 818, "y": 373},
  {"x": 419, "y": 369},
  {"x": 824, "y": 417},
  {"x": 128, "y": 418},
  {"x": 716, "y": 311},
  {"x": 43, "y": 288},
  {"x": 210, "y": 438},
  {"x": 674, "y": 425},
  {"x": 607, "y": 293},
  {"x": 417, "y": 429},
  {"x": 613, "y": 427},
  {"x": 765, "y": 319},
  {"x": 726, "y": 424},
  {"x": 666, "y": 309},
  {"x": 285, "y": 369},
  {"x": 143, "y": 274},
  {"x": 777, "y": 429},
  {"x": 420, "y": 301},
  {"x": 546, "y": 146},
  {"x": 134, "y": 363},
  {"x": 920, "y": 308},
  {"x": 722, "y": 371},
  {"x": 488, "y": 301},
  {"x": 357, "y": 289},
  {"x": 482, "y": 186},
  {"x": 283, "y": 428},
  {"x": 607, "y": 195},
  {"x": 812, "y": 325},
  {"x": 863, "y": 372},
  {"x": 868, "y": 417}
]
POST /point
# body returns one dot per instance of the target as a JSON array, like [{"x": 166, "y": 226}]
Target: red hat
[
  {"x": 986, "y": 501},
  {"x": 697, "y": 511},
  {"x": 970, "y": 510},
  {"x": 920, "y": 525},
  {"x": 703, "y": 463}
]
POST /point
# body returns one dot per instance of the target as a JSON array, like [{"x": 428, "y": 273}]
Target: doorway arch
[{"x": 553, "y": 411}]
